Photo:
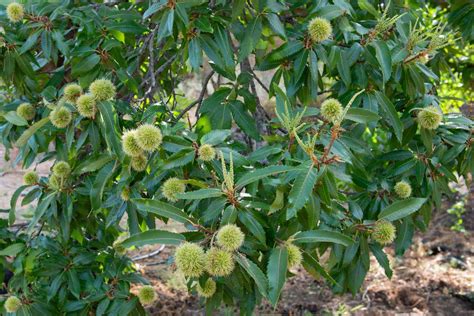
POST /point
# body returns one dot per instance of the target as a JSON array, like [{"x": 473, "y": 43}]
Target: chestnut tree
[{"x": 354, "y": 154}]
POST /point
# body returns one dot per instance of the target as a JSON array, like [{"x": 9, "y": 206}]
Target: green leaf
[
  {"x": 258, "y": 174},
  {"x": 15, "y": 119},
  {"x": 60, "y": 43},
  {"x": 166, "y": 25},
  {"x": 93, "y": 164},
  {"x": 390, "y": 114},
  {"x": 276, "y": 273},
  {"x": 361, "y": 115},
  {"x": 384, "y": 58},
  {"x": 153, "y": 236},
  {"x": 252, "y": 225},
  {"x": 30, "y": 42},
  {"x": 23, "y": 139},
  {"x": 314, "y": 236},
  {"x": 200, "y": 194},
  {"x": 195, "y": 54},
  {"x": 40, "y": 210},
  {"x": 251, "y": 37},
  {"x": 302, "y": 189},
  {"x": 343, "y": 68},
  {"x": 356, "y": 275},
  {"x": 401, "y": 209},
  {"x": 111, "y": 134},
  {"x": 153, "y": 8},
  {"x": 13, "y": 202},
  {"x": 278, "y": 202},
  {"x": 162, "y": 209},
  {"x": 85, "y": 65},
  {"x": 215, "y": 137},
  {"x": 254, "y": 271},
  {"x": 404, "y": 236},
  {"x": 311, "y": 264},
  {"x": 98, "y": 187},
  {"x": 243, "y": 119},
  {"x": 382, "y": 259},
  {"x": 367, "y": 6},
  {"x": 12, "y": 250},
  {"x": 276, "y": 25}
]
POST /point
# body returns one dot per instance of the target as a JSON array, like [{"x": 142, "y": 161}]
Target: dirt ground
[{"x": 435, "y": 277}]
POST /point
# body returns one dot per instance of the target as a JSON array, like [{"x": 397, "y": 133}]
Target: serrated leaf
[
  {"x": 276, "y": 273},
  {"x": 215, "y": 137},
  {"x": 302, "y": 189},
  {"x": 251, "y": 37},
  {"x": 110, "y": 132},
  {"x": 15, "y": 119},
  {"x": 391, "y": 114},
  {"x": 98, "y": 186},
  {"x": 361, "y": 115},
  {"x": 382, "y": 259},
  {"x": 162, "y": 209},
  {"x": 401, "y": 209},
  {"x": 258, "y": 174},
  {"x": 314, "y": 236},
  {"x": 276, "y": 24},
  {"x": 254, "y": 271},
  {"x": 12, "y": 250},
  {"x": 153, "y": 236},
  {"x": 315, "y": 268},
  {"x": 382, "y": 53},
  {"x": 200, "y": 194},
  {"x": 13, "y": 202},
  {"x": 252, "y": 225},
  {"x": 40, "y": 210}
]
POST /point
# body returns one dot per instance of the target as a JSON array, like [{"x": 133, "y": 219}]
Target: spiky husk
[
  {"x": 319, "y": 29},
  {"x": 206, "y": 152},
  {"x": 403, "y": 189},
  {"x": 219, "y": 262},
  {"x": 61, "y": 169},
  {"x": 102, "y": 89},
  {"x": 294, "y": 255},
  {"x": 430, "y": 117},
  {"x": 12, "y": 304},
  {"x": 86, "y": 105},
  {"x": 26, "y": 111},
  {"x": 208, "y": 290},
  {"x": 148, "y": 137},
  {"x": 190, "y": 259},
  {"x": 130, "y": 144},
  {"x": 139, "y": 163},
  {"x": 31, "y": 178},
  {"x": 331, "y": 110},
  {"x": 54, "y": 182},
  {"x": 172, "y": 187},
  {"x": 230, "y": 237},
  {"x": 15, "y": 12},
  {"x": 72, "y": 92},
  {"x": 60, "y": 117},
  {"x": 384, "y": 232},
  {"x": 147, "y": 295}
]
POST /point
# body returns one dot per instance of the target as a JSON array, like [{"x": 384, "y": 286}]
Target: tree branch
[{"x": 199, "y": 99}]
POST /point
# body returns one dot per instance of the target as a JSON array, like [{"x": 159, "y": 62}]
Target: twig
[
  {"x": 201, "y": 96},
  {"x": 259, "y": 81},
  {"x": 149, "y": 255}
]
